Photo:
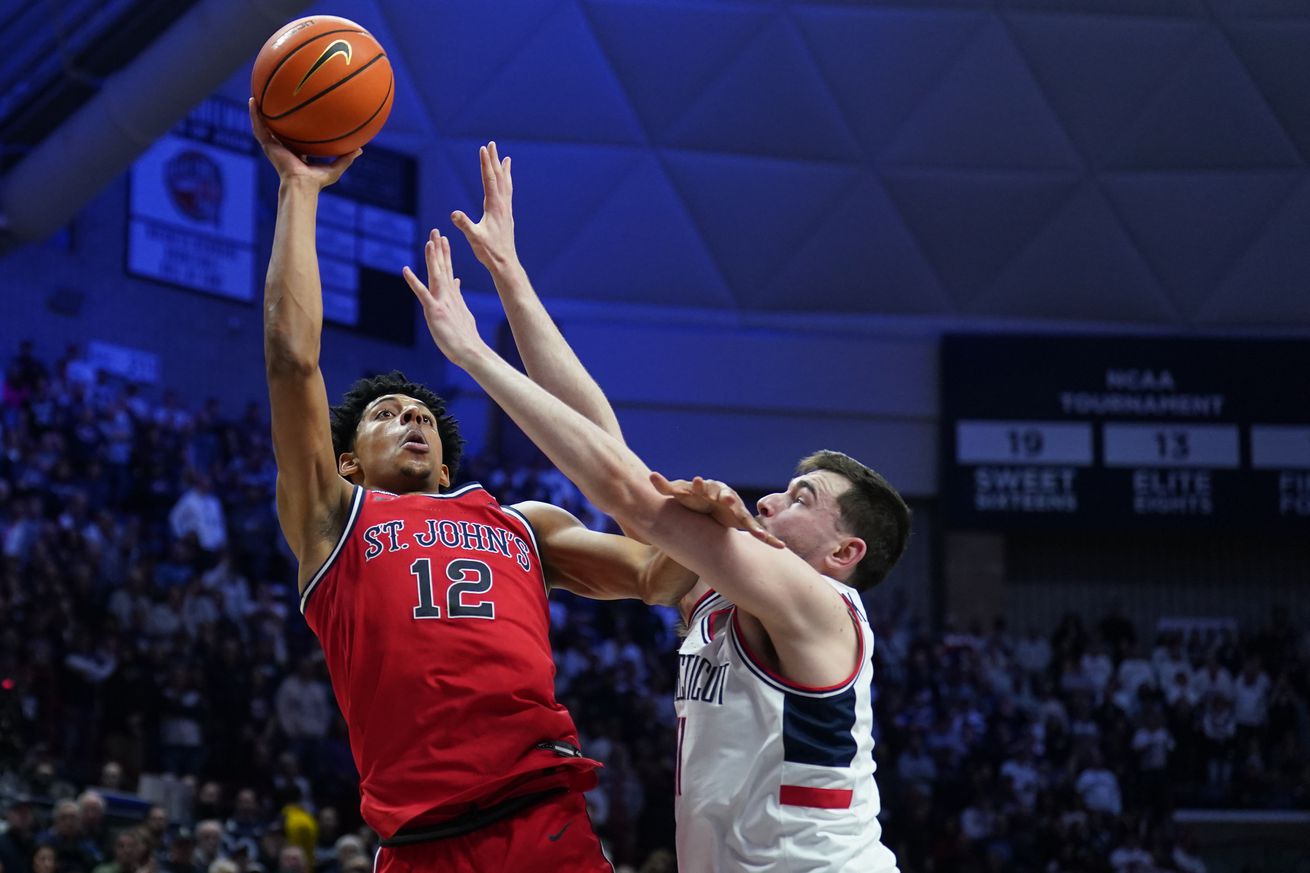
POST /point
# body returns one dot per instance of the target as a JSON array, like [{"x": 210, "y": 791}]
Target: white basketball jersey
[{"x": 773, "y": 777}]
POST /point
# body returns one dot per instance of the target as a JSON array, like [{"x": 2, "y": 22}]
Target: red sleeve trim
[
  {"x": 697, "y": 605},
  {"x": 798, "y": 686},
  {"x": 818, "y": 798}
]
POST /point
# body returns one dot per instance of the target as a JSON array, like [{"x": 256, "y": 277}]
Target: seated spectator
[
  {"x": 91, "y": 806},
  {"x": 74, "y": 853},
  {"x": 209, "y": 843},
  {"x": 1169, "y": 659},
  {"x": 1022, "y": 774},
  {"x": 915, "y": 764},
  {"x": 1097, "y": 667},
  {"x": 128, "y": 855},
  {"x": 1135, "y": 671},
  {"x": 245, "y": 822},
  {"x": 978, "y": 820},
  {"x": 44, "y": 860},
  {"x": 1213, "y": 678},
  {"x": 1098, "y": 786},
  {"x": 199, "y": 513},
  {"x": 1033, "y": 653},
  {"x": 1154, "y": 745},
  {"x": 1219, "y": 730},
  {"x": 179, "y": 852},
  {"x": 292, "y": 860},
  {"x": 1251, "y": 698},
  {"x": 18, "y": 839}
]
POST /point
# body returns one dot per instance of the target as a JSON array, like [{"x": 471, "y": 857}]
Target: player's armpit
[{"x": 603, "y": 566}]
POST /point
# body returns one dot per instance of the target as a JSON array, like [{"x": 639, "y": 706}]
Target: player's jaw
[{"x": 416, "y": 458}]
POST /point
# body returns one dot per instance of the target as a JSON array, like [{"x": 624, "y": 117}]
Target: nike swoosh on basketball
[
  {"x": 554, "y": 837},
  {"x": 336, "y": 47}
]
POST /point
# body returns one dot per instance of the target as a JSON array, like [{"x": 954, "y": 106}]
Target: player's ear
[
  {"x": 848, "y": 552},
  {"x": 347, "y": 465},
  {"x": 445, "y": 476}
]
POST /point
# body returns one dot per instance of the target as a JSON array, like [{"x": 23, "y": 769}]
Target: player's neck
[{"x": 401, "y": 486}]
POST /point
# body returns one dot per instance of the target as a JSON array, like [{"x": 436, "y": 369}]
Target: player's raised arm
[
  {"x": 800, "y": 610},
  {"x": 311, "y": 496},
  {"x": 548, "y": 358}
]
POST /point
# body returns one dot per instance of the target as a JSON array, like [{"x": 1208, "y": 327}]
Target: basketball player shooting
[
  {"x": 430, "y": 604},
  {"x": 774, "y": 702}
]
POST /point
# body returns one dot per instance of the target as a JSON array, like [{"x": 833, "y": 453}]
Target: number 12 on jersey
[{"x": 466, "y": 576}]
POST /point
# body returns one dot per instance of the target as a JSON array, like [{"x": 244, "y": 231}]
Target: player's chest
[
  {"x": 441, "y": 568},
  {"x": 389, "y": 539}
]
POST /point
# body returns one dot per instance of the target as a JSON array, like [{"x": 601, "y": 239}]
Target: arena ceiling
[{"x": 1130, "y": 162}]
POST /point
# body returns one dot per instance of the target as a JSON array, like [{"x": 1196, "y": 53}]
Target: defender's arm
[
  {"x": 603, "y": 566},
  {"x": 547, "y": 356}
]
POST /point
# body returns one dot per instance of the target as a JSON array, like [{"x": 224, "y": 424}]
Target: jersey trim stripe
[
  {"x": 532, "y": 535},
  {"x": 781, "y": 682},
  {"x": 707, "y": 626},
  {"x": 458, "y": 492},
  {"x": 691, "y": 613},
  {"x": 356, "y": 504},
  {"x": 818, "y": 798},
  {"x": 706, "y": 622}
]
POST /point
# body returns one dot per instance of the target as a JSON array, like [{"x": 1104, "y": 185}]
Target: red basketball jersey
[{"x": 433, "y": 619}]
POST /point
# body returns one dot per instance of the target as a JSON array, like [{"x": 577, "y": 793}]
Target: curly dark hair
[
  {"x": 345, "y": 416},
  {"x": 871, "y": 510}
]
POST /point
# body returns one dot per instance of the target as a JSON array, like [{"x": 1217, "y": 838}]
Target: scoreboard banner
[
  {"x": 191, "y": 204},
  {"x": 1125, "y": 432}
]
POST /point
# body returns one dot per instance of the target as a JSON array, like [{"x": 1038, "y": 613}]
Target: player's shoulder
[
  {"x": 546, "y": 519},
  {"x": 849, "y": 594}
]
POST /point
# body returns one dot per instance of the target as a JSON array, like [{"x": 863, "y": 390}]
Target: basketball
[{"x": 323, "y": 85}]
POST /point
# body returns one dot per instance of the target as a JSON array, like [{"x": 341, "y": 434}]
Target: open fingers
[
  {"x": 501, "y": 167},
  {"x": 420, "y": 290},
  {"x": 764, "y": 536},
  {"x": 437, "y": 252},
  {"x": 678, "y": 488},
  {"x": 740, "y": 517},
  {"x": 490, "y": 188},
  {"x": 463, "y": 223}
]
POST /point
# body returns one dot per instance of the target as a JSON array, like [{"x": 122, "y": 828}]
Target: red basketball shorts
[{"x": 549, "y": 837}]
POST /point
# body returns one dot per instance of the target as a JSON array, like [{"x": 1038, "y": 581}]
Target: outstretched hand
[
  {"x": 492, "y": 238},
  {"x": 293, "y": 166},
  {"x": 715, "y": 499},
  {"x": 452, "y": 326}
]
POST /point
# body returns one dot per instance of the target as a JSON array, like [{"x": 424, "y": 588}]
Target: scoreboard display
[{"x": 1103, "y": 432}]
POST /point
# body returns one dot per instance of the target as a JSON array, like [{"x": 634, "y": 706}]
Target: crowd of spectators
[
  {"x": 1069, "y": 751},
  {"x": 151, "y": 647}
]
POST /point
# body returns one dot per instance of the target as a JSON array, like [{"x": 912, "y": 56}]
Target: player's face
[
  {"x": 397, "y": 446},
  {"x": 806, "y": 516}
]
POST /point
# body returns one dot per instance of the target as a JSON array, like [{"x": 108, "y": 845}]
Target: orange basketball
[{"x": 323, "y": 85}]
